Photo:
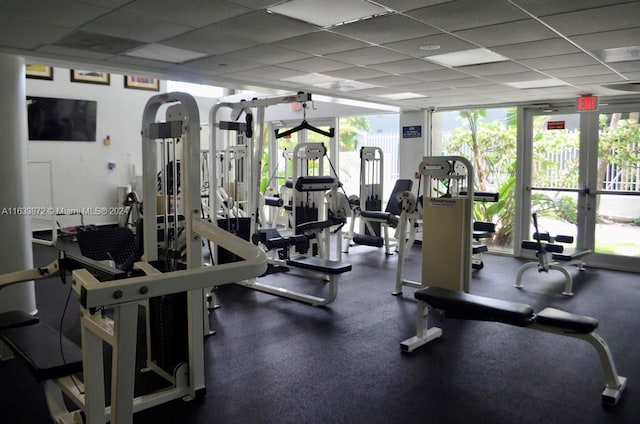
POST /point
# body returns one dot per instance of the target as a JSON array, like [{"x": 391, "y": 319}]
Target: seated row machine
[{"x": 460, "y": 305}]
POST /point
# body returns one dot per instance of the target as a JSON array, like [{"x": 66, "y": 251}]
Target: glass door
[
  {"x": 554, "y": 191},
  {"x": 581, "y": 178},
  {"x": 615, "y": 188}
]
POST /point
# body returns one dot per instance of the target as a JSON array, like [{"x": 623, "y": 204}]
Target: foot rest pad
[
  {"x": 573, "y": 322},
  {"x": 39, "y": 346},
  {"x": 314, "y": 263},
  {"x": 569, "y": 255}
]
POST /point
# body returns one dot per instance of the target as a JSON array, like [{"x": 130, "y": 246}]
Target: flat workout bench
[
  {"x": 46, "y": 353},
  {"x": 460, "y": 305}
]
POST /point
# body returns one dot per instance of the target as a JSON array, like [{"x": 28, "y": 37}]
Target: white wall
[{"x": 81, "y": 175}]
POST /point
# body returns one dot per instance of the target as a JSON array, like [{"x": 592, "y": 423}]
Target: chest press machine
[{"x": 56, "y": 361}]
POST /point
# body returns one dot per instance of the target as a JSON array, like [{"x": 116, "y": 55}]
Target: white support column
[
  {"x": 415, "y": 138},
  {"x": 15, "y": 250}
]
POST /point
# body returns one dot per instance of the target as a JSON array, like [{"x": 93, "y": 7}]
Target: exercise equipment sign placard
[{"x": 412, "y": 131}]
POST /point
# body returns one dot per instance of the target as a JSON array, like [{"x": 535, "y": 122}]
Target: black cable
[{"x": 63, "y": 277}]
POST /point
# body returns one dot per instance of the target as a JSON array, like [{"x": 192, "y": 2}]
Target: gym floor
[{"x": 274, "y": 360}]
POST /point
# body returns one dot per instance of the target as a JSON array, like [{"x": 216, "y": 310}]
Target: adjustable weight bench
[
  {"x": 51, "y": 358},
  {"x": 558, "y": 253},
  {"x": 459, "y": 305}
]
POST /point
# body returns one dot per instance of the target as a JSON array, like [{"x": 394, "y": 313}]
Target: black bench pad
[
  {"x": 467, "y": 306},
  {"x": 556, "y": 318},
  {"x": 570, "y": 254},
  {"x": 13, "y": 319},
  {"x": 379, "y": 215},
  {"x": 314, "y": 263},
  {"x": 38, "y": 345}
]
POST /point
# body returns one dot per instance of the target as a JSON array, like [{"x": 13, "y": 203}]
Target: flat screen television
[{"x": 52, "y": 119}]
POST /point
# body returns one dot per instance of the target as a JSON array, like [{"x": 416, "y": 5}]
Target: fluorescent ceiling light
[
  {"x": 328, "y": 13},
  {"x": 542, "y": 83},
  {"x": 620, "y": 54},
  {"x": 345, "y": 85},
  {"x": 402, "y": 96},
  {"x": 165, "y": 53},
  {"x": 467, "y": 57}
]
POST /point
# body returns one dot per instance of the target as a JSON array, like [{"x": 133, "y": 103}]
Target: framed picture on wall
[
  {"x": 40, "y": 72},
  {"x": 141, "y": 82},
  {"x": 91, "y": 77}
]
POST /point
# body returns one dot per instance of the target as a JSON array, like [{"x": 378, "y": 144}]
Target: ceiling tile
[
  {"x": 448, "y": 44},
  {"x": 135, "y": 27},
  {"x": 61, "y": 12},
  {"x": 578, "y": 71},
  {"x": 137, "y": 62},
  {"x": 439, "y": 75},
  {"x": 496, "y": 68},
  {"x": 551, "y": 7},
  {"x": 255, "y": 4},
  {"x": 15, "y": 33},
  {"x": 67, "y": 53},
  {"x": 367, "y": 56},
  {"x": 200, "y": 41},
  {"x": 599, "y": 19},
  {"x": 263, "y": 27},
  {"x": 264, "y": 73},
  {"x": 553, "y": 62},
  {"x": 591, "y": 79},
  {"x": 406, "y": 66},
  {"x": 404, "y": 5},
  {"x": 465, "y": 14},
  {"x": 511, "y": 32},
  {"x": 467, "y": 82},
  {"x": 533, "y": 49},
  {"x": 192, "y": 13},
  {"x": 315, "y": 64},
  {"x": 356, "y": 73},
  {"x": 631, "y": 66},
  {"x": 518, "y": 76},
  {"x": 320, "y": 42},
  {"x": 608, "y": 39},
  {"x": 385, "y": 29},
  {"x": 269, "y": 54},
  {"x": 389, "y": 81},
  {"x": 218, "y": 65}
]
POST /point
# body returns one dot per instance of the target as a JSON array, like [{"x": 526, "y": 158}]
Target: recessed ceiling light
[
  {"x": 467, "y": 57},
  {"x": 165, "y": 53},
  {"x": 541, "y": 83},
  {"x": 328, "y": 13},
  {"x": 430, "y": 47},
  {"x": 402, "y": 96}
]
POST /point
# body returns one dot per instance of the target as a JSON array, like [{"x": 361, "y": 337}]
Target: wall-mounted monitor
[{"x": 52, "y": 119}]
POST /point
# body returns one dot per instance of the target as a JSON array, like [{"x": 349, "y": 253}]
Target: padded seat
[
  {"x": 314, "y": 263},
  {"x": 467, "y": 306},
  {"x": 570, "y": 254},
  {"x": 379, "y": 215},
  {"x": 13, "y": 319},
  {"x": 39, "y": 346},
  {"x": 572, "y": 322}
]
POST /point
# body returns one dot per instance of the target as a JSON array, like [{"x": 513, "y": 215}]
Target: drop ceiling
[{"x": 406, "y": 53}]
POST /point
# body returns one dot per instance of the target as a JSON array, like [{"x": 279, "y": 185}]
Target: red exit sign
[{"x": 587, "y": 103}]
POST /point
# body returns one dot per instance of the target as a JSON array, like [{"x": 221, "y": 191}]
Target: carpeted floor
[{"x": 274, "y": 360}]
